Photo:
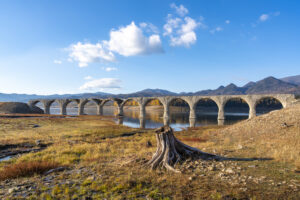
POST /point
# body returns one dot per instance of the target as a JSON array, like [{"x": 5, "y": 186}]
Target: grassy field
[{"x": 94, "y": 158}]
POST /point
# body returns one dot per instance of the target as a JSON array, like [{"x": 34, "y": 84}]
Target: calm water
[
  {"x": 5, "y": 158},
  {"x": 178, "y": 119}
]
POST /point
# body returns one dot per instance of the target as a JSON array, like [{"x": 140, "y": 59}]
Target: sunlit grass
[
  {"x": 24, "y": 169},
  {"x": 96, "y": 142}
]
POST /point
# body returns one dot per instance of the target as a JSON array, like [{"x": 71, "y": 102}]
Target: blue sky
[{"x": 49, "y": 47}]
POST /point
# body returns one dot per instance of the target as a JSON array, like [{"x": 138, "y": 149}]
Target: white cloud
[
  {"x": 217, "y": 29},
  {"x": 181, "y": 30},
  {"x": 102, "y": 84},
  {"x": 130, "y": 41},
  {"x": 172, "y": 23},
  {"x": 88, "y": 78},
  {"x": 180, "y": 10},
  {"x": 109, "y": 69},
  {"x": 57, "y": 62},
  {"x": 184, "y": 40},
  {"x": 89, "y": 53},
  {"x": 189, "y": 26},
  {"x": 227, "y": 22},
  {"x": 264, "y": 17},
  {"x": 186, "y": 35},
  {"x": 126, "y": 41},
  {"x": 148, "y": 27}
]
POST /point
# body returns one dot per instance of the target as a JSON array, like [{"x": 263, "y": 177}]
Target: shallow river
[{"x": 178, "y": 119}]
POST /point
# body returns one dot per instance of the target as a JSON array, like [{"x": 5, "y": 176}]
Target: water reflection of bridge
[{"x": 191, "y": 101}]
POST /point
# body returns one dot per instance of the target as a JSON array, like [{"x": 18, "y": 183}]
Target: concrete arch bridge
[{"x": 192, "y": 101}]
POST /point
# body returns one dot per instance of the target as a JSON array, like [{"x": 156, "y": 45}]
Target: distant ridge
[
  {"x": 270, "y": 85},
  {"x": 267, "y": 85},
  {"x": 292, "y": 79}
]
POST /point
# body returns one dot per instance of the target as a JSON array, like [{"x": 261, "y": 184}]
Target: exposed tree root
[{"x": 171, "y": 151}]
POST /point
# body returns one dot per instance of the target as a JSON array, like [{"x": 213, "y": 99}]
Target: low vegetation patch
[
  {"x": 107, "y": 161},
  {"x": 193, "y": 139},
  {"x": 26, "y": 169}
]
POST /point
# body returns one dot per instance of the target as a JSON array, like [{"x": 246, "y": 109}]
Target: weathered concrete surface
[{"x": 221, "y": 100}]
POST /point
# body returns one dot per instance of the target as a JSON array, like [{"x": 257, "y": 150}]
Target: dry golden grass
[
  {"x": 192, "y": 139},
  {"x": 26, "y": 169},
  {"x": 73, "y": 139},
  {"x": 119, "y": 160},
  {"x": 275, "y": 135}
]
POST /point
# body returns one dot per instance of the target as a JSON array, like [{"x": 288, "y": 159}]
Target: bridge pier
[
  {"x": 81, "y": 105},
  {"x": 99, "y": 109},
  {"x": 46, "y": 104},
  {"x": 142, "y": 122},
  {"x": 142, "y": 111},
  {"x": 192, "y": 112},
  {"x": 63, "y": 109},
  {"x": 166, "y": 121},
  {"x": 101, "y": 105},
  {"x": 221, "y": 122},
  {"x": 166, "y": 111},
  {"x": 221, "y": 113},
  {"x": 142, "y": 115},
  {"x": 63, "y": 106},
  {"x": 252, "y": 110},
  {"x": 80, "y": 109},
  {"x": 192, "y": 122},
  {"x": 120, "y": 120},
  {"x": 120, "y": 111},
  {"x": 192, "y": 116},
  {"x": 166, "y": 116}
]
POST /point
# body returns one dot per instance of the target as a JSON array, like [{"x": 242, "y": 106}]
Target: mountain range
[{"x": 269, "y": 85}]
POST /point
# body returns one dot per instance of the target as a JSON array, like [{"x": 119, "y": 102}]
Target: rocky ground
[
  {"x": 98, "y": 159},
  {"x": 80, "y": 179}
]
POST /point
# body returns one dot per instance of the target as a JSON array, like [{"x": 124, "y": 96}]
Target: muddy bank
[{"x": 8, "y": 151}]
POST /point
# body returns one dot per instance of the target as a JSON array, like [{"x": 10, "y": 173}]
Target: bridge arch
[
  {"x": 48, "y": 105},
  {"x": 206, "y": 105},
  {"x": 237, "y": 106},
  {"x": 133, "y": 100},
  {"x": 129, "y": 105},
  {"x": 146, "y": 102},
  {"x": 45, "y": 104},
  {"x": 119, "y": 106},
  {"x": 39, "y": 103},
  {"x": 267, "y": 104},
  {"x": 35, "y": 102},
  {"x": 183, "y": 103},
  {"x": 208, "y": 101},
  {"x": 117, "y": 100},
  {"x": 66, "y": 102},
  {"x": 84, "y": 102}
]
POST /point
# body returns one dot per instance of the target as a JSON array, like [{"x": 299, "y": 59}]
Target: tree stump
[{"x": 170, "y": 151}]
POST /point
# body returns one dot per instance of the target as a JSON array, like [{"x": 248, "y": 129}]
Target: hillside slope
[
  {"x": 275, "y": 135},
  {"x": 292, "y": 79},
  {"x": 270, "y": 85}
]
